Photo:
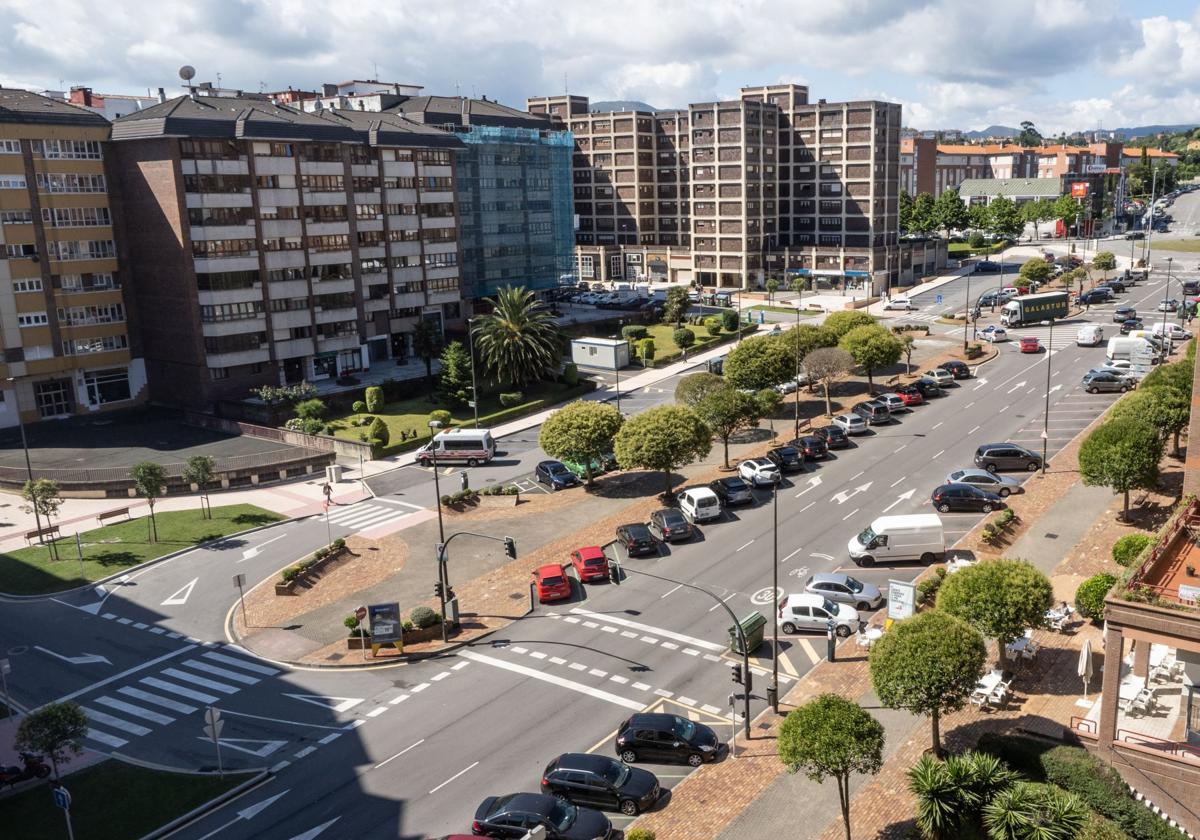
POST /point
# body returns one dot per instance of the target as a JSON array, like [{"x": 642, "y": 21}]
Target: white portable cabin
[{"x": 600, "y": 353}]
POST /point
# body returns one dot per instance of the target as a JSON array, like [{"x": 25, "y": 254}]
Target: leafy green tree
[
  {"x": 729, "y": 320},
  {"x": 760, "y": 362},
  {"x": 1104, "y": 261},
  {"x": 1121, "y": 454},
  {"x": 1028, "y": 811},
  {"x": 696, "y": 386},
  {"x": 826, "y": 365},
  {"x": 769, "y": 402},
  {"x": 908, "y": 345},
  {"x": 1004, "y": 218},
  {"x": 1177, "y": 375},
  {"x": 56, "y": 731},
  {"x": 677, "y": 305},
  {"x": 840, "y": 323},
  {"x": 1029, "y": 135},
  {"x": 201, "y": 470},
  {"x": 44, "y": 499},
  {"x": 1035, "y": 271},
  {"x": 454, "y": 376},
  {"x": 949, "y": 211},
  {"x": 999, "y": 598},
  {"x": 664, "y": 438},
  {"x": 872, "y": 347},
  {"x": 830, "y": 737},
  {"x": 772, "y": 287},
  {"x": 683, "y": 338},
  {"x": 927, "y": 664},
  {"x": 979, "y": 219},
  {"x": 726, "y": 411},
  {"x": 581, "y": 432},
  {"x": 518, "y": 341},
  {"x": 1065, "y": 210},
  {"x": 923, "y": 218},
  {"x": 1036, "y": 212},
  {"x": 809, "y": 337},
  {"x": 1127, "y": 548},
  {"x": 426, "y": 343},
  {"x": 905, "y": 212},
  {"x": 1163, "y": 407},
  {"x": 150, "y": 482},
  {"x": 646, "y": 350},
  {"x": 1089, "y": 596},
  {"x": 312, "y": 409}
]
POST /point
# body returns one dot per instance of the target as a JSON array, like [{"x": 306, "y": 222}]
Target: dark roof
[
  {"x": 23, "y": 106},
  {"x": 583, "y": 761},
  {"x": 384, "y": 129},
  {"x": 219, "y": 117},
  {"x": 435, "y": 110}
]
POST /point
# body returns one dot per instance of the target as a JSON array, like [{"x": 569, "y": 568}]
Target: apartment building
[
  {"x": 275, "y": 246},
  {"x": 723, "y": 193},
  {"x": 63, "y": 308}
]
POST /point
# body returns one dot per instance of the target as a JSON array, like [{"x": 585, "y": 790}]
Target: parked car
[
  {"x": 1121, "y": 366},
  {"x": 851, "y": 424},
  {"x": 1136, "y": 234},
  {"x": 813, "y": 447},
  {"x": 787, "y": 458},
  {"x": 833, "y": 436},
  {"x": 636, "y": 539},
  {"x": 900, "y": 303},
  {"x": 1095, "y": 383},
  {"x": 664, "y": 737},
  {"x": 792, "y": 385},
  {"x": 874, "y": 412},
  {"x": 732, "y": 490},
  {"x": 552, "y": 583},
  {"x": 671, "y": 525},
  {"x": 843, "y": 589},
  {"x": 808, "y": 611},
  {"x": 928, "y": 387},
  {"x": 1116, "y": 284},
  {"x": 700, "y": 504},
  {"x": 590, "y": 563},
  {"x": 1095, "y": 296},
  {"x": 964, "y": 497},
  {"x": 760, "y": 472},
  {"x": 513, "y": 816},
  {"x": 1006, "y": 456},
  {"x": 941, "y": 376},
  {"x": 910, "y": 394},
  {"x": 959, "y": 370},
  {"x": 601, "y": 782},
  {"x": 1030, "y": 344},
  {"x": 1002, "y": 485},
  {"x": 989, "y": 299},
  {"x": 555, "y": 475},
  {"x": 992, "y": 333},
  {"x": 986, "y": 267},
  {"x": 1131, "y": 324},
  {"x": 894, "y": 402}
]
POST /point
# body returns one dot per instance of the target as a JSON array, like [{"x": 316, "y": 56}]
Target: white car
[
  {"x": 851, "y": 424},
  {"x": 894, "y": 402},
  {"x": 812, "y": 612},
  {"x": 900, "y": 303},
  {"x": 940, "y": 376},
  {"x": 792, "y": 385},
  {"x": 759, "y": 472},
  {"x": 992, "y": 333}
]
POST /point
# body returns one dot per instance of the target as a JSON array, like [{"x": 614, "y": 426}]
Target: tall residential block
[{"x": 64, "y": 315}]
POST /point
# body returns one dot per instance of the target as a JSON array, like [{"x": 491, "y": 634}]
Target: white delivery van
[
  {"x": 1119, "y": 347},
  {"x": 1172, "y": 330},
  {"x": 699, "y": 504},
  {"x": 1090, "y": 335},
  {"x": 917, "y": 536},
  {"x": 474, "y": 446}
]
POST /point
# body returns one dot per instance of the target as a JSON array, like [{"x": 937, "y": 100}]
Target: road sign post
[
  {"x": 733, "y": 698},
  {"x": 361, "y": 614},
  {"x": 938, "y": 299},
  {"x": 62, "y": 799},
  {"x": 212, "y": 728},
  {"x": 240, "y": 581}
]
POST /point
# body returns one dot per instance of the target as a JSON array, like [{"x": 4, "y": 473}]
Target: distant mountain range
[
  {"x": 620, "y": 105},
  {"x": 1121, "y": 133}
]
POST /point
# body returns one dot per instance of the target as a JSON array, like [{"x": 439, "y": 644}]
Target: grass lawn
[
  {"x": 113, "y": 548},
  {"x": 1187, "y": 245},
  {"x": 664, "y": 343},
  {"x": 958, "y": 250},
  {"x": 143, "y": 799},
  {"x": 782, "y": 310}
]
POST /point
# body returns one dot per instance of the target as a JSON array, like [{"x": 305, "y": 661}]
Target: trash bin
[
  {"x": 753, "y": 626},
  {"x": 333, "y": 473}
]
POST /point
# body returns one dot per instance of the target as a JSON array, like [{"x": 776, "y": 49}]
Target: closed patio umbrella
[{"x": 1084, "y": 669}]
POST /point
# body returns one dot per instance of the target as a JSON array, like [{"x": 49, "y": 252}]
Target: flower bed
[{"x": 297, "y": 573}]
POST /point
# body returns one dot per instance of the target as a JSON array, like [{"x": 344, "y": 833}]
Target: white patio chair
[
  {"x": 1141, "y": 703},
  {"x": 1031, "y": 650}
]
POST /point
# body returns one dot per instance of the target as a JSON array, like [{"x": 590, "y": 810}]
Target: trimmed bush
[
  {"x": 729, "y": 320},
  {"x": 634, "y": 332},
  {"x": 639, "y": 834},
  {"x": 1126, "y": 549},
  {"x": 712, "y": 325},
  {"x": 511, "y": 398},
  {"x": 374, "y": 397},
  {"x": 570, "y": 375},
  {"x": 424, "y": 617},
  {"x": 442, "y": 416},
  {"x": 445, "y": 500},
  {"x": 683, "y": 338},
  {"x": 379, "y": 432},
  {"x": 406, "y": 626},
  {"x": 313, "y": 409},
  {"x": 1089, "y": 597},
  {"x": 339, "y": 544},
  {"x": 646, "y": 349},
  {"x": 929, "y": 587},
  {"x": 358, "y": 407},
  {"x": 351, "y": 622},
  {"x": 291, "y": 573},
  {"x": 1098, "y": 828}
]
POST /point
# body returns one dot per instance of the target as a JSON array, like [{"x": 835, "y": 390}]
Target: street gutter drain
[{"x": 1050, "y": 536}]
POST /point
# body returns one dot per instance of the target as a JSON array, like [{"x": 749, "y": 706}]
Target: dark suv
[
  {"x": 959, "y": 370},
  {"x": 814, "y": 447},
  {"x": 966, "y": 497},
  {"x": 662, "y": 737},
  {"x": 787, "y": 458},
  {"x": 732, "y": 490},
  {"x": 834, "y": 437},
  {"x": 636, "y": 539},
  {"x": 600, "y": 782},
  {"x": 1006, "y": 456}
]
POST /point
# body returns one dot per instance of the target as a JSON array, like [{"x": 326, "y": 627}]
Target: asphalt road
[{"x": 409, "y": 751}]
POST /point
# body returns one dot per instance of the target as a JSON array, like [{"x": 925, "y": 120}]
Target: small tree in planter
[{"x": 729, "y": 320}]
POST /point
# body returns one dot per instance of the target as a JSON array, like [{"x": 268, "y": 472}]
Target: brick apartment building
[
  {"x": 723, "y": 193},
  {"x": 64, "y": 313}
]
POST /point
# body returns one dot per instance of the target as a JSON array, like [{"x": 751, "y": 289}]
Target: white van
[
  {"x": 917, "y": 536},
  {"x": 1171, "y": 330},
  {"x": 474, "y": 446},
  {"x": 1090, "y": 335},
  {"x": 1120, "y": 347},
  {"x": 699, "y": 504}
]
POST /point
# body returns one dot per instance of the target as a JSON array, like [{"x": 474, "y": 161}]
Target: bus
[{"x": 474, "y": 446}]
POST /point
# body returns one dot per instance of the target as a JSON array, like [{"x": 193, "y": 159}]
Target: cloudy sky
[{"x": 1065, "y": 64}]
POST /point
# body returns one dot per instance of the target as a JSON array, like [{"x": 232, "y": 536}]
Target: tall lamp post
[
  {"x": 1163, "y": 307},
  {"x": 434, "y": 425},
  {"x": 1046, "y": 413},
  {"x": 25, "y": 447},
  {"x": 970, "y": 309},
  {"x": 474, "y": 389},
  {"x": 773, "y": 690}
]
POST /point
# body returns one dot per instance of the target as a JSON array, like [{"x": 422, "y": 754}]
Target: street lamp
[
  {"x": 970, "y": 309},
  {"x": 437, "y": 490},
  {"x": 474, "y": 389},
  {"x": 773, "y": 690},
  {"x": 25, "y": 447},
  {"x": 1163, "y": 307},
  {"x": 1046, "y": 414}
]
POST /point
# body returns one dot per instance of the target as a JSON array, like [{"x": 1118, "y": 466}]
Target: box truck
[{"x": 1033, "y": 309}]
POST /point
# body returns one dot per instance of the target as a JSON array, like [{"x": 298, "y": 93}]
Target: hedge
[
  {"x": 1126, "y": 549},
  {"x": 1089, "y": 597}
]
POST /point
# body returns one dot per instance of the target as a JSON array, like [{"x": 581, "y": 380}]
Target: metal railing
[
  {"x": 279, "y": 458},
  {"x": 1083, "y": 726},
  {"x": 1178, "y": 749}
]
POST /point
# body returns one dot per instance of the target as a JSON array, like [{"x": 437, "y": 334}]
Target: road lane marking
[
  {"x": 902, "y": 446},
  {"x": 105, "y": 738},
  {"x": 241, "y": 663},
  {"x": 691, "y": 651},
  {"x": 662, "y": 692},
  {"x": 628, "y": 634},
  {"x": 790, "y": 556},
  {"x": 136, "y": 711},
  {"x": 897, "y": 481},
  {"x": 163, "y": 685},
  {"x": 553, "y": 679},
  {"x": 806, "y": 507},
  {"x": 421, "y": 687},
  {"x": 669, "y": 591},
  {"x": 857, "y": 474},
  {"x": 452, "y": 778},
  {"x": 125, "y": 673},
  {"x": 596, "y": 672},
  {"x": 808, "y": 648},
  {"x": 214, "y": 685},
  {"x": 938, "y": 424},
  {"x": 399, "y": 699},
  {"x": 397, "y": 755},
  {"x": 577, "y": 666},
  {"x": 223, "y": 673},
  {"x": 650, "y": 640},
  {"x": 669, "y": 645},
  {"x": 115, "y": 722},
  {"x": 556, "y": 660},
  {"x": 787, "y": 665},
  {"x": 331, "y": 737},
  {"x": 377, "y": 712},
  {"x": 851, "y": 513},
  {"x": 940, "y": 453},
  {"x": 305, "y": 751},
  {"x": 147, "y": 697},
  {"x": 617, "y": 678},
  {"x": 973, "y": 431},
  {"x": 634, "y": 625},
  {"x": 747, "y": 545}
]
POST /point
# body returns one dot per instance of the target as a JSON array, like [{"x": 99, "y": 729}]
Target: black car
[
  {"x": 732, "y": 490},
  {"x": 927, "y": 387},
  {"x": 600, "y": 782},
  {"x": 814, "y": 447},
  {"x": 1123, "y": 313},
  {"x": 1117, "y": 286},
  {"x": 555, "y": 475},
  {"x": 967, "y": 497},
  {"x": 986, "y": 267},
  {"x": 1094, "y": 296},
  {"x": 1006, "y": 456},
  {"x": 787, "y": 458},
  {"x": 833, "y": 436},
  {"x": 514, "y": 815},
  {"x": 1131, "y": 324},
  {"x": 1136, "y": 234},
  {"x": 670, "y": 525},
  {"x": 636, "y": 539},
  {"x": 663, "y": 737},
  {"x": 957, "y": 369}
]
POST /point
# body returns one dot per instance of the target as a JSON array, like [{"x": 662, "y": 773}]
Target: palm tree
[
  {"x": 518, "y": 341},
  {"x": 427, "y": 344}
]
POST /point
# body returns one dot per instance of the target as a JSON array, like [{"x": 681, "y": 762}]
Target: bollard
[
  {"x": 831, "y": 639},
  {"x": 464, "y": 481},
  {"x": 773, "y": 698}
]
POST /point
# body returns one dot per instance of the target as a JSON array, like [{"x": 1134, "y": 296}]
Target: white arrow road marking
[
  {"x": 813, "y": 482},
  {"x": 253, "y": 552},
  {"x": 982, "y": 382},
  {"x": 825, "y": 556},
  {"x": 1017, "y": 387},
  {"x": 843, "y": 495},
  {"x": 248, "y": 813},
  {"x": 85, "y": 659},
  {"x": 902, "y": 497},
  {"x": 312, "y": 833},
  {"x": 181, "y": 596},
  {"x": 1055, "y": 388},
  {"x": 263, "y": 751},
  {"x": 337, "y": 704}
]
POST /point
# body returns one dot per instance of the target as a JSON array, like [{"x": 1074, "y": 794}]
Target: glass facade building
[{"x": 516, "y": 208}]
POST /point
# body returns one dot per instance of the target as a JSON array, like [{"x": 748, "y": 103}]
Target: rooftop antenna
[
  {"x": 262, "y": 87},
  {"x": 375, "y": 64},
  {"x": 472, "y": 91},
  {"x": 218, "y": 80}
]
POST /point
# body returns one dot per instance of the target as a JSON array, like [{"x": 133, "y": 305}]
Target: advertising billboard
[
  {"x": 1079, "y": 189},
  {"x": 385, "y": 623}
]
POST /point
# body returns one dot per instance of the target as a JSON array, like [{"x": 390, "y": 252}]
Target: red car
[
  {"x": 910, "y": 395},
  {"x": 552, "y": 583},
  {"x": 590, "y": 563},
  {"x": 1029, "y": 344}
]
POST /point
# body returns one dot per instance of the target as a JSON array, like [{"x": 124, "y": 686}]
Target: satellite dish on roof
[{"x": 187, "y": 72}]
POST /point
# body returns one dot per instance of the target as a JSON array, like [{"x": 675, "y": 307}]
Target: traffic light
[
  {"x": 736, "y": 672},
  {"x": 510, "y": 548},
  {"x": 437, "y": 589}
]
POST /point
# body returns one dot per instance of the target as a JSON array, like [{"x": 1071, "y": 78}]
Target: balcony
[{"x": 1170, "y": 573}]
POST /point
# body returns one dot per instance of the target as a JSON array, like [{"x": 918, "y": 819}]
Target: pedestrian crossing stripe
[{"x": 366, "y": 515}]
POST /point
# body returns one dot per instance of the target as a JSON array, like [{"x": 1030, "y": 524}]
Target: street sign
[
  {"x": 62, "y": 798},
  {"x": 239, "y": 581},
  {"x": 385, "y": 623},
  {"x": 360, "y": 613},
  {"x": 213, "y": 723},
  {"x": 937, "y": 299}
]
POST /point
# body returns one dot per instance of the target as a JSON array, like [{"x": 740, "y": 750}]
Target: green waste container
[{"x": 753, "y": 626}]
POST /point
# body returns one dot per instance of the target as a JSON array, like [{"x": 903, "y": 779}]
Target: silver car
[
  {"x": 894, "y": 402},
  {"x": 1002, "y": 485},
  {"x": 846, "y": 590},
  {"x": 851, "y": 424}
]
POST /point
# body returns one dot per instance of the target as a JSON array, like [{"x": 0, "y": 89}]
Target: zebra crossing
[
  {"x": 181, "y": 689},
  {"x": 372, "y": 515}
]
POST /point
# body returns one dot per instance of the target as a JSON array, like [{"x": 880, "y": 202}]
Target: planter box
[
  {"x": 289, "y": 587},
  {"x": 411, "y": 637},
  {"x": 499, "y": 501}
]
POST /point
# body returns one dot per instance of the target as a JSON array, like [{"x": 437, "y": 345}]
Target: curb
[{"x": 209, "y": 806}]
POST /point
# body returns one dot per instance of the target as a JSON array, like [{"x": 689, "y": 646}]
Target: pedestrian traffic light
[
  {"x": 735, "y": 671},
  {"x": 510, "y": 548},
  {"x": 437, "y": 589}
]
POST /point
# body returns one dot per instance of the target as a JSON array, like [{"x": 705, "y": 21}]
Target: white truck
[
  {"x": 1033, "y": 309},
  {"x": 915, "y": 536}
]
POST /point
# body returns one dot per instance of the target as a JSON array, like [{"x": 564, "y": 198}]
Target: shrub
[
  {"x": 374, "y": 397},
  {"x": 1098, "y": 828},
  {"x": 442, "y": 416},
  {"x": 379, "y": 432},
  {"x": 1089, "y": 597},
  {"x": 1126, "y": 549},
  {"x": 634, "y": 332},
  {"x": 683, "y": 338},
  {"x": 339, "y": 544},
  {"x": 511, "y": 398},
  {"x": 729, "y": 320},
  {"x": 424, "y": 617},
  {"x": 646, "y": 349},
  {"x": 445, "y": 500},
  {"x": 1005, "y": 518},
  {"x": 639, "y": 834},
  {"x": 712, "y": 325},
  {"x": 976, "y": 240},
  {"x": 358, "y": 407},
  {"x": 929, "y": 587},
  {"x": 351, "y": 622},
  {"x": 1021, "y": 754},
  {"x": 291, "y": 573},
  {"x": 406, "y": 626},
  {"x": 570, "y": 375},
  {"x": 511, "y": 490},
  {"x": 990, "y": 533},
  {"x": 313, "y": 409}
]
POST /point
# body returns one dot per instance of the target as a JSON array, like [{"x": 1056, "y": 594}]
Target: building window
[
  {"x": 107, "y": 386},
  {"x": 399, "y": 183},
  {"x": 70, "y": 182},
  {"x": 440, "y": 260},
  {"x": 106, "y": 313},
  {"x": 321, "y": 153},
  {"x": 12, "y": 182},
  {"x": 444, "y": 284},
  {"x": 289, "y": 304},
  {"x": 230, "y": 311},
  {"x": 33, "y": 284},
  {"x": 76, "y": 217},
  {"x": 209, "y": 149},
  {"x": 16, "y": 217},
  {"x": 220, "y": 215},
  {"x": 587, "y": 267},
  {"x": 324, "y": 213},
  {"x": 403, "y": 235},
  {"x": 363, "y": 183},
  {"x": 10, "y": 147},
  {"x": 284, "y": 243},
  {"x": 32, "y": 319},
  {"x": 88, "y": 249},
  {"x": 223, "y": 280},
  {"x": 274, "y": 150},
  {"x": 26, "y": 251},
  {"x": 216, "y": 183},
  {"x": 273, "y": 213},
  {"x": 279, "y": 275},
  {"x": 237, "y": 343},
  {"x": 329, "y": 242},
  {"x": 438, "y": 183},
  {"x": 323, "y": 183},
  {"x": 68, "y": 149},
  {"x": 87, "y": 282},
  {"x": 433, "y": 156},
  {"x": 85, "y": 346},
  {"x": 209, "y": 248},
  {"x": 53, "y": 397},
  {"x": 616, "y": 267}
]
